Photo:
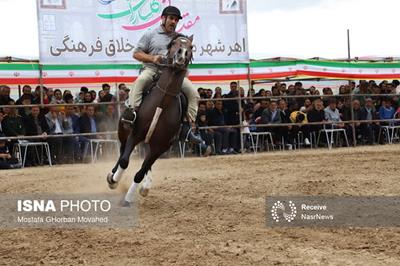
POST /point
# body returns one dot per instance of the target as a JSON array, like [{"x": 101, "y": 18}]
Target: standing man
[{"x": 150, "y": 50}]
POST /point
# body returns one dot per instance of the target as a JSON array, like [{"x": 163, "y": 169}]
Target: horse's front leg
[
  {"x": 154, "y": 153},
  {"x": 123, "y": 161},
  {"x": 111, "y": 183}
]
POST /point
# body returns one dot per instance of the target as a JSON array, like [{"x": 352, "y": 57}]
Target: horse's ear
[{"x": 191, "y": 38}]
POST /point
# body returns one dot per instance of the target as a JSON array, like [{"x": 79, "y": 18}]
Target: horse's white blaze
[{"x": 118, "y": 174}]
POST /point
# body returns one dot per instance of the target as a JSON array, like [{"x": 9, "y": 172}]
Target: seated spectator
[
  {"x": 249, "y": 122},
  {"x": 291, "y": 90},
  {"x": 217, "y": 93},
  {"x": 386, "y": 112},
  {"x": 260, "y": 107},
  {"x": 249, "y": 103},
  {"x": 272, "y": 115},
  {"x": 88, "y": 98},
  {"x": 312, "y": 90},
  {"x": 123, "y": 95},
  {"x": 37, "y": 96},
  {"x": 332, "y": 114},
  {"x": 317, "y": 114},
  {"x": 209, "y": 93},
  {"x": 68, "y": 98},
  {"x": 80, "y": 98},
  {"x": 363, "y": 88},
  {"x": 12, "y": 123},
  {"x": 285, "y": 118},
  {"x": 54, "y": 121},
  {"x": 369, "y": 130},
  {"x": 207, "y": 135},
  {"x": 87, "y": 123},
  {"x": 100, "y": 97},
  {"x": 108, "y": 121},
  {"x": 358, "y": 115},
  {"x": 70, "y": 126},
  {"x": 209, "y": 106},
  {"x": 35, "y": 124},
  {"x": 6, "y": 160},
  {"x": 65, "y": 93},
  {"x": 93, "y": 95},
  {"x": 327, "y": 92},
  {"x": 26, "y": 93},
  {"x": 58, "y": 97},
  {"x": 123, "y": 98},
  {"x": 307, "y": 106},
  {"x": 108, "y": 97},
  {"x": 24, "y": 100},
  {"x": 249, "y": 125},
  {"x": 50, "y": 94},
  {"x": 298, "y": 117},
  {"x": 81, "y": 95},
  {"x": 226, "y": 139},
  {"x": 5, "y": 95},
  {"x": 201, "y": 93}
]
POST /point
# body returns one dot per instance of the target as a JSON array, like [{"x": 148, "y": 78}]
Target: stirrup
[{"x": 130, "y": 120}]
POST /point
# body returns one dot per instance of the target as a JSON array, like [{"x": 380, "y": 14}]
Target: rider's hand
[{"x": 157, "y": 59}]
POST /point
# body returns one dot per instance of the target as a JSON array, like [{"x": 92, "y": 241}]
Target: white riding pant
[{"x": 146, "y": 78}]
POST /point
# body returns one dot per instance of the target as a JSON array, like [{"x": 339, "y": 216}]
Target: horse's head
[{"x": 180, "y": 51}]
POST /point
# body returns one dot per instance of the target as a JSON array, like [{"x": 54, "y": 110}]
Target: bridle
[{"x": 173, "y": 61}]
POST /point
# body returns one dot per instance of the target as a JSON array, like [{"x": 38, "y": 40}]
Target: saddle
[{"x": 183, "y": 102}]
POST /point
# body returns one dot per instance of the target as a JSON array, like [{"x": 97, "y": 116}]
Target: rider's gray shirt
[{"x": 154, "y": 42}]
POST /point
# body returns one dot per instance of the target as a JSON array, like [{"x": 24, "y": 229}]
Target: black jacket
[
  {"x": 30, "y": 126},
  {"x": 84, "y": 124}
]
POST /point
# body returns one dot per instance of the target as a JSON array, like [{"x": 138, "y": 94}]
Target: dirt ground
[{"x": 211, "y": 211}]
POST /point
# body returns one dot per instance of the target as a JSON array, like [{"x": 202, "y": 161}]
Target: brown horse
[{"x": 158, "y": 118}]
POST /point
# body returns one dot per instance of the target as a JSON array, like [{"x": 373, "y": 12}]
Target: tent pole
[{"x": 353, "y": 125}]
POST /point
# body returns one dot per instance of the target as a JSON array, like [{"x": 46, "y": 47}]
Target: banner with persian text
[{"x": 101, "y": 31}]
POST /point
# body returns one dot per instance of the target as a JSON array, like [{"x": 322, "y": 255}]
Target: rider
[{"x": 150, "y": 50}]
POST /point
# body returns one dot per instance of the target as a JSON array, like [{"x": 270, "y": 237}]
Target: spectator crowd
[
  {"x": 261, "y": 111},
  {"x": 20, "y": 118},
  {"x": 293, "y": 104}
]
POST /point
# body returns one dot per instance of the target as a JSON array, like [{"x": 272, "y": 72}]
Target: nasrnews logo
[{"x": 288, "y": 211}]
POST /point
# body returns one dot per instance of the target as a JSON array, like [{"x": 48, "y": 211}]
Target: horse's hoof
[
  {"x": 144, "y": 191},
  {"x": 111, "y": 183},
  {"x": 126, "y": 204}
]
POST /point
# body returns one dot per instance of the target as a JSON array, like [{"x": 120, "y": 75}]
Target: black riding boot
[
  {"x": 187, "y": 134},
  {"x": 129, "y": 116}
]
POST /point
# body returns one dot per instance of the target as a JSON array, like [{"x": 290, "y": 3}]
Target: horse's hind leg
[{"x": 151, "y": 157}]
